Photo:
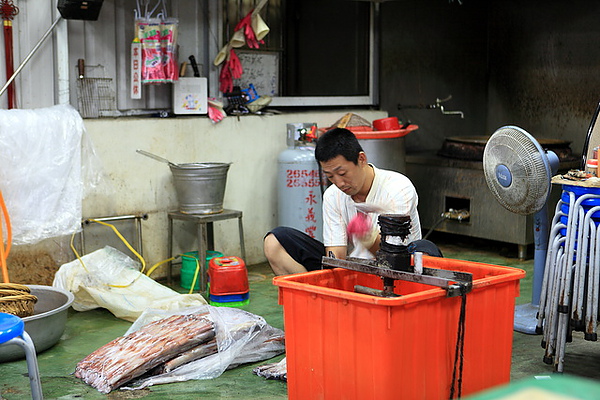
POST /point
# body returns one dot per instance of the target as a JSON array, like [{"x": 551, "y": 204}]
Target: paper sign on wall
[{"x": 136, "y": 69}]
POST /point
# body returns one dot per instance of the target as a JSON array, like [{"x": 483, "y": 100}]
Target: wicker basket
[
  {"x": 351, "y": 120},
  {"x": 15, "y": 286},
  {"x": 16, "y": 299}
]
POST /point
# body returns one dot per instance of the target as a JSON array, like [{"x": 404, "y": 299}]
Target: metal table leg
[
  {"x": 205, "y": 237},
  {"x": 522, "y": 251},
  {"x": 242, "y": 244},
  {"x": 202, "y": 248},
  {"x": 170, "y": 249}
]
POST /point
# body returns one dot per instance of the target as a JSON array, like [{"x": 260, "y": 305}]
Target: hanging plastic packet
[
  {"x": 149, "y": 33},
  {"x": 168, "y": 42}
]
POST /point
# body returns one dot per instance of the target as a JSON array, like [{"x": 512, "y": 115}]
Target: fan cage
[{"x": 528, "y": 165}]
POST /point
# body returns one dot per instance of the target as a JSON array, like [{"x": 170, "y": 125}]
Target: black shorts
[{"x": 305, "y": 250}]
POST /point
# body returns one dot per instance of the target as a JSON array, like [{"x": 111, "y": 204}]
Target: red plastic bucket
[{"x": 228, "y": 275}]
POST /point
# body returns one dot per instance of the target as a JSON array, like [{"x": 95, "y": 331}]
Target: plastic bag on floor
[
  {"x": 242, "y": 337},
  {"x": 112, "y": 280},
  {"x": 277, "y": 371}
]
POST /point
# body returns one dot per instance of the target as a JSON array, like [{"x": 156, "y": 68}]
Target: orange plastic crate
[{"x": 341, "y": 344}]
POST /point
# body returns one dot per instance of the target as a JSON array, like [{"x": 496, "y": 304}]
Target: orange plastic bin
[{"x": 341, "y": 344}]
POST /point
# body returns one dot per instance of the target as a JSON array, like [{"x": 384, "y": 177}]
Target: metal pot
[{"x": 200, "y": 187}]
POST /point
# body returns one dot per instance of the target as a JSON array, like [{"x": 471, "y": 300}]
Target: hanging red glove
[
  {"x": 225, "y": 78},
  {"x": 246, "y": 24},
  {"x": 235, "y": 65},
  {"x": 251, "y": 38}
]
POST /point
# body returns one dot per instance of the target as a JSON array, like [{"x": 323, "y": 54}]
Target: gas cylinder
[{"x": 299, "y": 192}]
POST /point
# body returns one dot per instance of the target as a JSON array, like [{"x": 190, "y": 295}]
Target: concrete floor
[{"x": 87, "y": 331}]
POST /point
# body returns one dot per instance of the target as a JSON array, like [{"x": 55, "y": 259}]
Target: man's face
[{"x": 346, "y": 175}]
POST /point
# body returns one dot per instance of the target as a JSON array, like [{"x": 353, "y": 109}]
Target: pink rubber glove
[
  {"x": 246, "y": 24},
  {"x": 225, "y": 78},
  {"x": 251, "y": 38},
  {"x": 215, "y": 110},
  {"x": 363, "y": 229},
  {"x": 235, "y": 65}
]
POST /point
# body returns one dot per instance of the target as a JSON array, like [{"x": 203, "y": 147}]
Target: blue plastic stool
[{"x": 12, "y": 331}]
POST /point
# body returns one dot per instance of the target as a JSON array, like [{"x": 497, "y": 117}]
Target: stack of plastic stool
[
  {"x": 228, "y": 282},
  {"x": 12, "y": 331}
]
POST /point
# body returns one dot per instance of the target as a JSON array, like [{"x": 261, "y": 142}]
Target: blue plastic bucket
[{"x": 587, "y": 204}]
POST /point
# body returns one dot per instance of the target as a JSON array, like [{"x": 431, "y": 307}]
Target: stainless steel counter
[{"x": 445, "y": 183}]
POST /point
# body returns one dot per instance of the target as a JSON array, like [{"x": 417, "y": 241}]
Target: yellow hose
[
  {"x": 129, "y": 247},
  {"x": 124, "y": 241},
  {"x": 158, "y": 264},
  {"x": 126, "y": 244},
  {"x": 150, "y": 271},
  {"x": 76, "y": 253},
  {"x": 195, "y": 272}
]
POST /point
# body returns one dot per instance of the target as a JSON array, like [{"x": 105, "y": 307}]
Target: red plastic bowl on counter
[
  {"x": 391, "y": 134},
  {"x": 386, "y": 124}
]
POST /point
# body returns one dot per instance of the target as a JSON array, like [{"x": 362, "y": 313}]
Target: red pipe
[
  {"x": 8, "y": 50},
  {"x": 8, "y": 11}
]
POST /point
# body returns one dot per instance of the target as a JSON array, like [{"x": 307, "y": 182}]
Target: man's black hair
[{"x": 338, "y": 142}]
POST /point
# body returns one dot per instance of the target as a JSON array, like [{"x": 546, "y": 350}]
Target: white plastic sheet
[
  {"x": 41, "y": 171},
  {"x": 111, "y": 280}
]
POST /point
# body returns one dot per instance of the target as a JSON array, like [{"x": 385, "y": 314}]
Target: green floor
[{"x": 87, "y": 331}]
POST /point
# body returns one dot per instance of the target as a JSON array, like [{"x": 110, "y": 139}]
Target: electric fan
[{"x": 518, "y": 172}]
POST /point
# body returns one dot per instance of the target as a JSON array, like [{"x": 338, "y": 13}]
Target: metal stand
[
  {"x": 138, "y": 227},
  {"x": 454, "y": 282},
  {"x": 393, "y": 263},
  {"x": 205, "y": 237},
  {"x": 12, "y": 332},
  {"x": 526, "y": 314}
]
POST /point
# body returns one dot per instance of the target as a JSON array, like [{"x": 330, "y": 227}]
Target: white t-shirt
[{"x": 391, "y": 191}]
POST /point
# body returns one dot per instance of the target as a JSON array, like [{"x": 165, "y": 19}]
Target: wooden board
[{"x": 589, "y": 182}]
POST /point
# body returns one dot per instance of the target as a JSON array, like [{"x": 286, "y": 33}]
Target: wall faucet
[{"x": 437, "y": 105}]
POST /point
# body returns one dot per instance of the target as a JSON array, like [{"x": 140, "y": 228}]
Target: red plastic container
[
  {"x": 398, "y": 133},
  {"x": 341, "y": 344},
  {"x": 386, "y": 124},
  {"x": 228, "y": 275}
]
